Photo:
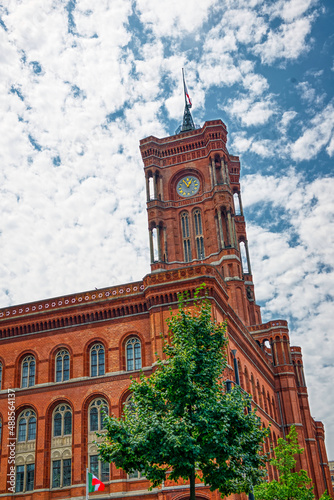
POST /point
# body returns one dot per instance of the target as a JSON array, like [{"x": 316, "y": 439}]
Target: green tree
[
  {"x": 181, "y": 423},
  {"x": 291, "y": 485}
]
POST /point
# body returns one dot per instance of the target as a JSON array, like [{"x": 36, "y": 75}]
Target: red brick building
[{"x": 66, "y": 358}]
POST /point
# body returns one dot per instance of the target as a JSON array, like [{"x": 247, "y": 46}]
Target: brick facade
[{"x": 194, "y": 238}]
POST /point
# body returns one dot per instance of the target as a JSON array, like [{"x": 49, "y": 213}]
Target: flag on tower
[{"x": 94, "y": 484}]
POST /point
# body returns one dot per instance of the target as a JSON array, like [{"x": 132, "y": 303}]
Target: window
[
  {"x": 133, "y": 354},
  {"x": 0, "y": 376},
  {"x": 98, "y": 468},
  {"x": 28, "y": 372},
  {"x": 186, "y": 236},
  {"x": 199, "y": 234},
  {"x": 26, "y": 426},
  {"x": 25, "y": 475},
  {"x": 62, "y": 366},
  {"x": 97, "y": 360},
  {"x": 61, "y": 473},
  {"x": 62, "y": 421},
  {"x": 96, "y": 414},
  {"x": 136, "y": 474}
]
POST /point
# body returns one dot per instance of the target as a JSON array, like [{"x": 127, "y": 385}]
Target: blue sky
[{"x": 82, "y": 82}]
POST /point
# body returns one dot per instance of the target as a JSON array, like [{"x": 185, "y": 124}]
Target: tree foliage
[
  {"x": 291, "y": 485},
  {"x": 181, "y": 420}
]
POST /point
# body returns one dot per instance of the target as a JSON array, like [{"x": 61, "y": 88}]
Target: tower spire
[{"x": 188, "y": 123}]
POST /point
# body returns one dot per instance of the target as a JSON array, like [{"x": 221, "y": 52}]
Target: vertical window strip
[
  {"x": 67, "y": 463},
  {"x": 30, "y": 477},
  {"x": 22, "y": 430},
  {"x": 199, "y": 234},
  {"x": 19, "y": 478},
  {"x": 186, "y": 236},
  {"x": 56, "y": 469}
]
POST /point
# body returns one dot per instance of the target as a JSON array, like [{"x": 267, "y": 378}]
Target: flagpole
[
  {"x": 184, "y": 87},
  {"x": 87, "y": 488}
]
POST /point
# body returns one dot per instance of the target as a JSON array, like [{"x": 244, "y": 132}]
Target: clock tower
[{"x": 194, "y": 207}]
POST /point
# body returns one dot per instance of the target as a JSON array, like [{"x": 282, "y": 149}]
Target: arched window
[
  {"x": 133, "y": 354},
  {"x": 62, "y": 421},
  {"x": 97, "y": 360},
  {"x": 26, "y": 426},
  {"x": 62, "y": 366},
  {"x": 61, "y": 446},
  {"x": 28, "y": 371},
  {"x": 199, "y": 234},
  {"x": 186, "y": 236},
  {"x": 96, "y": 414},
  {"x": 97, "y": 408}
]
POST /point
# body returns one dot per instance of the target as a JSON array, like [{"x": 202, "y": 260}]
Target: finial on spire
[{"x": 188, "y": 123}]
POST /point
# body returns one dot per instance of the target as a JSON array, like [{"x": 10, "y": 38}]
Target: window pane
[
  {"x": 22, "y": 429},
  {"x": 104, "y": 472},
  {"x": 56, "y": 474},
  {"x": 93, "y": 363},
  {"x": 57, "y": 424},
  {"x": 59, "y": 369},
  {"x": 25, "y": 374},
  {"x": 32, "y": 429},
  {"x": 103, "y": 411},
  {"x": 32, "y": 373},
  {"x": 101, "y": 362},
  {"x": 67, "y": 423},
  {"x": 196, "y": 224},
  {"x": 137, "y": 356},
  {"x": 30, "y": 477},
  {"x": 94, "y": 465},
  {"x": 129, "y": 356},
  {"x": 19, "y": 478},
  {"x": 66, "y": 372},
  {"x": 67, "y": 472},
  {"x": 94, "y": 420}
]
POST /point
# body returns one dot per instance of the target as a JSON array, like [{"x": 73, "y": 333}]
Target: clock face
[{"x": 188, "y": 186}]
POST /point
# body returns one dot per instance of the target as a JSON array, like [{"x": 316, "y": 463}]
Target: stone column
[
  {"x": 165, "y": 243},
  {"x": 161, "y": 189},
  {"x": 155, "y": 186},
  {"x": 220, "y": 225},
  {"x": 223, "y": 171},
  {"x": 150, "y": 231},
  {"x": 213, "y": 163},
  {"x": 240, "y": 204},
  {"x": 230, "y": 230},
  {"x": 147, "y": 188},
  {"x": 247, "y": 256},
  {"x": 159, "y": 243}
]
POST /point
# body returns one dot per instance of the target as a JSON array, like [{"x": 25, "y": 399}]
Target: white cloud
[
  {"x": 290, "y": 10},
  {"x": 317, "y": 136},
  {"x": 250, "y": 111},
  {"x": 293, "y": 272},
  {"x": 287, "y": 42}
]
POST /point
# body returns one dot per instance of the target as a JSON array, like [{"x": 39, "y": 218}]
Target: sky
[{"x": 82, "y": 82}]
